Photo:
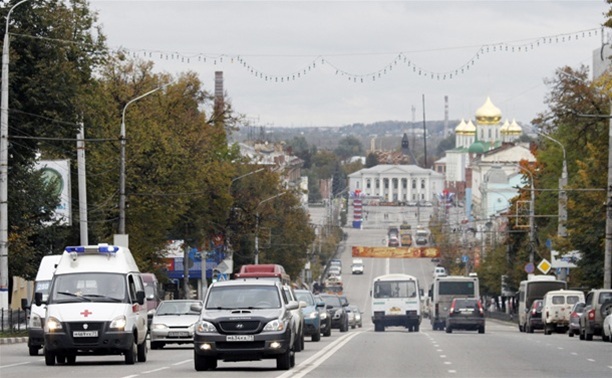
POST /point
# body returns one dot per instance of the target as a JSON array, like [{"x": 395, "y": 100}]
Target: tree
[
  {"x": 55, "y": 48},
  {"x": 371, "y": 160},
  {"x": 349, "y": 146}
]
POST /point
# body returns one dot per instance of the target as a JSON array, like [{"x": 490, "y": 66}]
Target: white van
[
  {"x": 556, "y": 309},
  {"x": 96, "y": 306},
  {"x": 396, "y": 301},
  {"x": 37, "y": 313}
]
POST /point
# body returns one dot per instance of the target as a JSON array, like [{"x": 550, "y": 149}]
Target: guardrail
[{"x": 13, "y": 320}]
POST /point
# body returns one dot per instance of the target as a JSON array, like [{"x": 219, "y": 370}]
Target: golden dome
[
  {"x": 488, "y": 114},
  {"x": 515, "y": 129},
  {"x": 469, "y": 129},
  {"x": 460, "y": 129},
  {"x": 504, "y": 129}
]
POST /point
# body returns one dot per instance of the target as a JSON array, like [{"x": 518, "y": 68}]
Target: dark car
[
  {"x": 326, "y": 319},
  {"x": 574, "y": 321},
  {"x": 245, "y": 320},
  {"x": 310, "y": 309},
  {"x": 534, "y": 316},
  {"x": 465, "y": 314},
  {"x": 337, "y": 312}
]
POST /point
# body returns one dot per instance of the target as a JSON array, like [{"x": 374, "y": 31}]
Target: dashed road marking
[{"x": 590, "y": 360}]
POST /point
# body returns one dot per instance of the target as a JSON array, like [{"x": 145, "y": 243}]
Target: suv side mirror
[
  {"x": 140, "y": 297},
  {"x": 293, "y": 305}
]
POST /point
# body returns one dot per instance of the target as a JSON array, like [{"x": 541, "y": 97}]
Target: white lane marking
[
  {"x": 21, "y": 363},
  {"x": 443, "y": 356},
  {"x": 560, "y": 348},
  {"x": 452, "y": 371},
  {"x": 130, "y": 376},
  {"x": 155, "y": 370},
  {"x": 574, "y": 354},
  {"x": 439, "y": 350},
  {"x": 447, "y": 363},
  {"x": 590, "y": 360},
  {"x": 182, "y": 362},
  {"x": 317, "y": 359}
]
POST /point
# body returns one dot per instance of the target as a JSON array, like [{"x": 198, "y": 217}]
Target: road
[{"x": 501, "y": 352}]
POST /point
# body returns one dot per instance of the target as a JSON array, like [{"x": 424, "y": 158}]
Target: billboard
[
  {"x": 57, "y": 173},
  {"x": 396, "y": 252}
]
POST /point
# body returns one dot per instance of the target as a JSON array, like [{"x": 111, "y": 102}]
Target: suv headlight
[
  {"x": 118, "y": 324},
  {"x": 338, "y": 313},
  {"x": 275, "y": 325},
  {"x": 313, "y": 315},
  {"x": 324, "y": 315},
  {"x": 53, "y": 324},
  {"x": 205, "y": 327}
]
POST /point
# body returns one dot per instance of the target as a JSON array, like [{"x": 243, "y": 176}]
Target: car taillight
[
  {"x": 573, "y": 315},
  {"x": 452, "y": 310},
  {"x": 480, "y": 309},
  {"x": 533, "y": 311},
  {"x": 591, "y": 314}
]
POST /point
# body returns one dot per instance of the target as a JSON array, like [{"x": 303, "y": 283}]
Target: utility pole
[
  {"x": 424, "y": 136},
  {"x": 608, "y": 251}
]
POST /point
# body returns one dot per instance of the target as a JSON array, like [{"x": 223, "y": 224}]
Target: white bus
[
  {"x": 535, "y": 287},
  {"x": 441, "y": 294},
  {"x": 396, "y": 302}
]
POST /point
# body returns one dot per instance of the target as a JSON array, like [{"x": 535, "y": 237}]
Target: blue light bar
[{"x": 100, "y": 248}]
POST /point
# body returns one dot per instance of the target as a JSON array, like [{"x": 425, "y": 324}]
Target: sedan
[
  {"x": 358, "y": 316},
  {"x": 574, "y": 320},
  {"x": 607, "y": 327},
  {"x": 173, "y": 323}
]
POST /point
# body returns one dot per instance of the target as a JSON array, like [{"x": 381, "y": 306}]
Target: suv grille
[{"x": 238, "y": 326}]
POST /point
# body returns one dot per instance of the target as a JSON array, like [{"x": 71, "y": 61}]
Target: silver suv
[
  {"x": 597, "y": 303},
  {"x": 245, "y": 320}
]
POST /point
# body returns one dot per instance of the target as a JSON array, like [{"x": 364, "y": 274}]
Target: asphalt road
[{"x": 501, "y": 352}]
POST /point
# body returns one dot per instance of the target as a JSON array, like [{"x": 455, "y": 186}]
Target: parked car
[
  {"x": 534, "y": 317},
  {"x": 312, "y": 316},
  {"x": 597, "y": 303},
  {"x": 556, "y": 311},
  {"x": 607, "y": 327},
  {"x": 574, "y": 323},
  {"x": 358, "y": 316},
  {"x": 337, "y": 312},
  {"x": 465, "y": 314},
  {"x": 173, "y": 323},
  {"x": 393, "y": 242},
  {"x": 245, "y": 320},
  {"x": 351, "y": 317},
  {"x": 325, "y": 318},
  {"x": 334, "y": 270}
]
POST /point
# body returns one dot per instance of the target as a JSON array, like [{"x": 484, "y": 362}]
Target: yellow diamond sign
[{"x": 544, "y": 266}]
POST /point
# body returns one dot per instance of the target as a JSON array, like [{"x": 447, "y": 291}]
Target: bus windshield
[{"x": 463, "y": 288}]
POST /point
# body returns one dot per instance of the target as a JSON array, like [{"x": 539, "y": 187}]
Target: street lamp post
[
  {"x": 257, "y": 225},
  {"x": 4, "y": 164},
  {"x": 561, "y": 229},
  {"x": 122, "y": 168}
]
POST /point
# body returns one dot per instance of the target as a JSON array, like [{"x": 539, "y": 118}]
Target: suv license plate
[
  {"x": 85, "y": 334},
  {"x": 240, "y": 338}
]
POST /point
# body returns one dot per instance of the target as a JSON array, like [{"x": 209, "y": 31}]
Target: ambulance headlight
[
  {"x": 118, "y": 324},
  {"x": 35, "y": 321},
  {"x": 53, "y": 324}
]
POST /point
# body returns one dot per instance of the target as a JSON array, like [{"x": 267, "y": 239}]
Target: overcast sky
[{"x": 334, "y": 63}]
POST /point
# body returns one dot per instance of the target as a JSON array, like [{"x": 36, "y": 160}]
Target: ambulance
[{"x": 96, "y": 306}]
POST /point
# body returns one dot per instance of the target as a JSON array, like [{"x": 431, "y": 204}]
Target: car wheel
[
  {"x": 316, "y": 336},
  {"x": 416, "y": 328},
  {"x": 142, "y": 351},
  {"x": 570, "y": 333},
  {"x": 61, "y": 359},
  {"x": 202, "y": 363},
  {"x": 131, "y": 355},
  {"x": 547, "y": 330},
  {"x": 283, "y": 362},
  {"x": 33, "y": 350},
  {"x": 529, "y": 329},
  {"x": 481, "y": 329},
  {"x": 49, "y": 358},
  {"x": 588, "y": 336},
  {"x": 71, "y": 359},
  {"x": 448, "y": 329},
  {"x": 581, "y": 334},
  {"x": 302, "y": 343},
  {"x": 327, "y": 331},
  {"x": 379, "y": 327},
  {"x": 604, "y": 337}
]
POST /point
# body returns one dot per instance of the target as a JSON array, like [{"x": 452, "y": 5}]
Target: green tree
[
  {"x": 349, "y": 146},
  {"x": 371, "y": 160}
]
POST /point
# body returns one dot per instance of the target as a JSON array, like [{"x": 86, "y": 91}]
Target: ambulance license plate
[
  {"x": 85, "y": 334},
  {"x": 240, "y": 338}
]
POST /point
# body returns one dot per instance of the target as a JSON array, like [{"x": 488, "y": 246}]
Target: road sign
[
  {"x": 465, "y": 258},
  {"x": 529, "y": 268},
  {"x": 544, "y": 266}
]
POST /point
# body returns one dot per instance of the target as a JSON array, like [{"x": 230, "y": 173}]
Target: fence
[{"x": 13, "y": 320}]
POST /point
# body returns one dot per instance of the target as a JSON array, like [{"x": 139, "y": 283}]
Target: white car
[
  {"x": 607, "y": 328},
  {"x": 357, "y": 268}
]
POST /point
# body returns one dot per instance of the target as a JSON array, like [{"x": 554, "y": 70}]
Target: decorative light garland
[{"x": 400, "y": 58}]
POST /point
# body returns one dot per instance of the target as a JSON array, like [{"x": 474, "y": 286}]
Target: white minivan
[
  {"x": 557, "y": 308},
  {"x": 36, "y": 320},
  {"x": 96, "y": 306}
]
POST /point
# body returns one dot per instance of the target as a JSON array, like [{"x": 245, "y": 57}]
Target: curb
[{"x": 13, "y": 340}]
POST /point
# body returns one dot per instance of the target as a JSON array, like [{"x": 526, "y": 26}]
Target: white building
[{"x": 397, "y": 183}]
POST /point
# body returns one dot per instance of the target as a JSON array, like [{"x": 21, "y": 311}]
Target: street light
[
  {"x": 561, "y": 230},
  {"x": 257, "y": 225},
  {"x": 4, "y": 164},
  {"x": 122, "y": 168}
]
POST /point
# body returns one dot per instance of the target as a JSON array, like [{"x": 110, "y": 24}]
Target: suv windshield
[
  {"x": 243, "y": 296},
  {"x": 332, "y": 300},
  {"x": 305, "y": 297}
]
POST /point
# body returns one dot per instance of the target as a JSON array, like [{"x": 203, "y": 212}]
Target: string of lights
[{"x": 400, "y": 58}]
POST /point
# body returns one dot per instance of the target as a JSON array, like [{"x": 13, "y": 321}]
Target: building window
[
  {"x": 377, "y": 183},
  {"x": 386, "y": 183},
  {"x": 357, "y": 184},
  {"x": 395, "y": 184},
  {"x": 489, "y": 134},
  {"x": 413, "y": 184},
  {"x": 422, "y": 184},
  {"x": 368, "y": 183},
  {"x": 404, "y": 183}
]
